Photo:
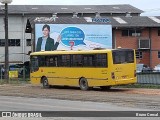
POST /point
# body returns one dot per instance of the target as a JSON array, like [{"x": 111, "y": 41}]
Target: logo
[
  {"x": 22, "y": 114},
  {"x": 6, "y": 114},
  {"x": 101, "y": 20}
]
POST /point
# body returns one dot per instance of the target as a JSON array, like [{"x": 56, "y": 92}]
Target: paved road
[
  {"x": 11, "y": 103},
  {"x": 125, "y": 97}
]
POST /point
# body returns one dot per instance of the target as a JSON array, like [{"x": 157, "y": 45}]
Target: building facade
[
  {"x": 147, "y": 44},
  {"x": 129, "y": 29},
  {"x": 18, "y": 40}
]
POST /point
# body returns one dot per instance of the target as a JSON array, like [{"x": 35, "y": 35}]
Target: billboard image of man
[{"x": 46, "y": 43}]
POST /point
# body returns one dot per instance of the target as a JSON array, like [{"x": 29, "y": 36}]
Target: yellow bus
[{"x": 85, "y": 69}]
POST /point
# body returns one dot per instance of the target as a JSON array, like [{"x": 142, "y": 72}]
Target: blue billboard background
[
  {"x": 79, "y": 36},
  {"x": 73, "y": 34}
]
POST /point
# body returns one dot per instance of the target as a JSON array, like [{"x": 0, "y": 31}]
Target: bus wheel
[
  {"x": 83, "y": 84},
  {"x": 45, "y": 83},
  {"x": 105, "y": 87}
]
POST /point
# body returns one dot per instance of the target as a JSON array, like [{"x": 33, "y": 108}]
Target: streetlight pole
[{"x": 6, "y": 2}]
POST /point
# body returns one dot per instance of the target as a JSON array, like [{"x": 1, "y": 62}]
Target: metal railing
[
  {"x": 148, "y": 78},
  {"x": 19, "y": 78}
]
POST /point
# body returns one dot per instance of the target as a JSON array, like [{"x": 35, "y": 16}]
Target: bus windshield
[{"x": 34, "y": 64}]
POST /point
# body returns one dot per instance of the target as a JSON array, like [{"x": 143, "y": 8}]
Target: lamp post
[{"x": 6, "y": 2}]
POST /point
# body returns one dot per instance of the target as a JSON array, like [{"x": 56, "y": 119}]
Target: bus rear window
[{"x": 123, "y": 56}]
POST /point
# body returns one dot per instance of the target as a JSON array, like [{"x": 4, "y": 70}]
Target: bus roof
[
  {"x": 56, "y": 52},
  {"x": 69, "y": 52}
]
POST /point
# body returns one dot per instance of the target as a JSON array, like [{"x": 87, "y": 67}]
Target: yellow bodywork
[{"x": 70, "y": 76}]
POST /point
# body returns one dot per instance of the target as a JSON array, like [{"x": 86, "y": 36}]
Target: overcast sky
[{"x": 151, "y": 7}]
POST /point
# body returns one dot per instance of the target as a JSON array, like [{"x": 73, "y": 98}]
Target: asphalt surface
[
  {"x": 125, "y": 97},
  {"x": 12, "y": 103},
  {"x": 34, "y": 98}
]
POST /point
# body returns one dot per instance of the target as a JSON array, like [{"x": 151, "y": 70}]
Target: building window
[
  {"x": 11, "y": 42},
  {"x": 124, "y": 32},
  {"x": 28, "y": 42},
  {"x": 14, "y": 42},
  {"x": 158, "y": 54},
  {"x": 139, "y": 54},
  {"x": 131, "y": 32},
  {"x": 158, "y": 32},
  {"x": 2, "y": 42}
]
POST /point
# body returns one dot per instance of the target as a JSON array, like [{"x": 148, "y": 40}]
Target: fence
[
  {"x": 15, "y": 77},
  {"x": 148, "y": 78}
]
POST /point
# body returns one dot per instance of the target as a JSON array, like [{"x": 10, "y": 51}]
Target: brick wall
[
  {"x": 125, "y": 41},
  {"x": 155, "y": 47},
  {"x": 150, "y": 57}
]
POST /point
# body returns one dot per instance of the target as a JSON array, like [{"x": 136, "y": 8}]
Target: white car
[
  {"x": 143, "y": 68},
  {"x": 157, "y": 67},
  {"x": 139, "y": 68}
]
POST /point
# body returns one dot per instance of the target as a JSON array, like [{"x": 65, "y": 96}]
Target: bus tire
[
  {"x": 105, "y": 87},
  {"x": 45, "y": 83},
  {"x": 83, "y": 84}
]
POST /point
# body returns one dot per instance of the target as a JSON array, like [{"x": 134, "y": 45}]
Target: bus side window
[
  {"x": 79, "y": 61},
  {"x": 64, "y": 60},
  {"x": 41, "y": 61},
  {"x": 80, "y": 64},
  {"x": 51, "y": 61},
  {"x": 101, "y": 60},
  {"x": 56, "y": 61},
  {"x": 76, "y": 60},
  {"x": 89, "y": 60},
  {"x": 47, "y": 61},
  {"x": 85, "y": 61}
]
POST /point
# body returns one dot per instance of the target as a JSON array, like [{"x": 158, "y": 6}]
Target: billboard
[{"x": 72, "y": 36}]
